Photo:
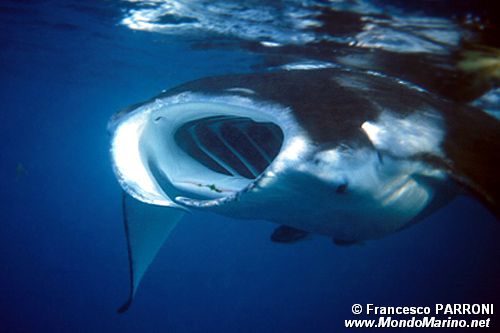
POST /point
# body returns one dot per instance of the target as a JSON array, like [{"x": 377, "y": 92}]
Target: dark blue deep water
[{"x": 65, "y": 68}]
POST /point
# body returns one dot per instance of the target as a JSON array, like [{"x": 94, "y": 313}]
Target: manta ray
[{"x": 350, "y": 154}]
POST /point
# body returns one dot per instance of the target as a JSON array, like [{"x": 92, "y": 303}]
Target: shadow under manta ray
[{"x": 344, "y": 153}]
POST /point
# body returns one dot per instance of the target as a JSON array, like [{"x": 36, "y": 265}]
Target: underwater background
[{"x": 66, "y": 67}]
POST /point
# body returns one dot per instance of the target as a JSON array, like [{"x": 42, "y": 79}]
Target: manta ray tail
[{"x": 146, "y": 227}]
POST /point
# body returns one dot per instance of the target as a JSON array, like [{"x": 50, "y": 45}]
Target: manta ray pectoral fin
[
  {"x": 285, "y": 234},
  {"x": 146, "y": 227},
  {"x": 472, "y": 145}
]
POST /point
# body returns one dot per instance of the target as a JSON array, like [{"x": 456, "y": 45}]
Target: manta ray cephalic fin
[{"x": 146, "y": 227}]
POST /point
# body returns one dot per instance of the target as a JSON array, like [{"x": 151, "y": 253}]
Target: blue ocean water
[{"x": 66, "y": 67}]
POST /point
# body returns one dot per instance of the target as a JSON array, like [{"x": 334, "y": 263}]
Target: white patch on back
[{"x": 420, "y": 132}]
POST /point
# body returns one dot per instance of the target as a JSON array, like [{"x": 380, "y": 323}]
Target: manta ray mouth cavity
[
  {"x": 207, "y": 151},
  {"x": 231, "y": 145}
]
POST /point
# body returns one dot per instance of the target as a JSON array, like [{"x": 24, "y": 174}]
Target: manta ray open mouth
[
  {"x": 172, "y": 151},
  {"x": 220, "y": 154}
]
